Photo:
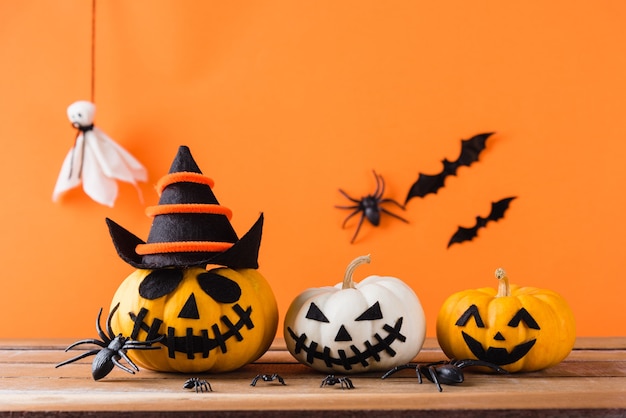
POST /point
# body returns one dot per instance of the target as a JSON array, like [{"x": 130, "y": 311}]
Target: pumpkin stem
[
  {"x": 503, "y": 285},
  {"x": 348, "y": 283}
]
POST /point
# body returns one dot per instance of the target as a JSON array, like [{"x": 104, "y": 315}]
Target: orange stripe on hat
[
  {"x": 188, "y": 208},
  {"x": 182, "y": 176},
  {"x": 182, "y": 247}
]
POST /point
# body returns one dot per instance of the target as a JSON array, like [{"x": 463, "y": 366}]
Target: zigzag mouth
[
  {"x": 497, "y": 355},
  {"x": 191, "y": 343},
  {"x": 372, "y": 351}
]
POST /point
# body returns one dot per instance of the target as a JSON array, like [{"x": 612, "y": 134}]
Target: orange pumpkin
[
  {"x": 517, "y": 328},
  {"x": 208, "y": 321}
]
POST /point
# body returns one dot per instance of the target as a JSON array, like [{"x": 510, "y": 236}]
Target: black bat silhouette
[
  {"x": 470, "y": 150},
  {"x": 497, "y": 212}
]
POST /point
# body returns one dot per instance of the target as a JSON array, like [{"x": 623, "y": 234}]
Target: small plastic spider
[
  {"x": 267, "y": 378},
  {"x": 113, "y": 349},
  {"x": 331, "y": 380},
  {"x": 446, "y": 372},
  {"x": 370, "y": 206},
  {"x": 198, "y": 384}
]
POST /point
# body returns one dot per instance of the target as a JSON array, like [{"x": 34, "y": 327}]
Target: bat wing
[
  {"x": 470, "y": 151},
  {"x": 463, "y": 234},
  {"x": 426, "y": 184},
  {"x": 498, "y": 210}
]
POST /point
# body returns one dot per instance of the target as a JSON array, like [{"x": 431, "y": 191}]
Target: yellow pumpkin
[
  {"x": 517, "y": 328},
  {"x": 209, "y": 320}
]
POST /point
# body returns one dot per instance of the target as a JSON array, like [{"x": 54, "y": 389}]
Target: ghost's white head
[{"x": 81, "y": 113}]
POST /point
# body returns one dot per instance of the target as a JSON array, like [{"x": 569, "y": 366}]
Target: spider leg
[
  {"x": 347, "y": 196},
  {"x": 394, "y": 202},
  {"x": 101, "y": 333},
  {"x": 109, "y": 318},
  {"x": 78, "y": 357},
  {"x": 121, "y": 366},
  {"x": 347, "y": 207},
  {"x": 139, "y": 345},
  {"x": 147, "y": 342},
  {"x": 128, "y": 360},
  {"x": 206, "y": 385},
  {"x": 280, "y": 379},
  {"x": 461, "y": 364},
  {"x": 397, "y": 368},
  {"x": 345, "y": 221},
  {"x": 418, "y": 372},
  {"x": 380, "y": 186},
  {"x": 433, "y": 377},
  {"x": 394, "y": 215},
  {"x": 358, "y": 227},
  {"x": 87, "y": 341},
  {"x": 256, "y": 379}
]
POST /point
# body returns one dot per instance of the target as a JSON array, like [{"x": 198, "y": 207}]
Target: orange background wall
[{"x": 283, "y": 102}]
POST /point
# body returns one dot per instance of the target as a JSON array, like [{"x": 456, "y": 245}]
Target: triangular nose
[
  {"x": 343, "y": 335},
  {"x": 499, "y": 337},
  {"x": 190, "y": 309}
]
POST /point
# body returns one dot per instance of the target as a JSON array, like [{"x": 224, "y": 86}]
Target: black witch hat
[{"x": 190, "y": 227}]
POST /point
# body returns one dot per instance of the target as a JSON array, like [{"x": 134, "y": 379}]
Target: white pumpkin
[{"x": 373, "y": 325}]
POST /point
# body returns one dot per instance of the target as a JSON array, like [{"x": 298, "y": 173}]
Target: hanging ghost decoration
[{"x": 95, "y": 160}]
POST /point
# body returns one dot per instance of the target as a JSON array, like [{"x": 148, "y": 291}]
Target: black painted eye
[
  {"x": 316, "y": 314},
  {"x": 472, "y": 311},
  {"x": 159, "y": 283},
  {"x": 220, "y": 288},
  {"x": 372, "y": 313},
  {"x": 523, "y": 316}
]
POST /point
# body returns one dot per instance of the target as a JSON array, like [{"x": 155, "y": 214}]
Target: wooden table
[{"x": 590, "y": 382}]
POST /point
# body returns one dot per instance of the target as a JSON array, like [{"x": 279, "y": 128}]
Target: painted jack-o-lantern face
[
  {"x": 215, "y": 320},
  {"x": 520, "y": 329},
  {"x": 501, "y": 351},
  {"x": 372, "y": 325}
]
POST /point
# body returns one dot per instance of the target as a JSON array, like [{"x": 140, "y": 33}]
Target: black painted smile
[
  {"x": 497, "y": 355},
  {"x": 371, "y": 350},
  {"x": 191, "y": 344}
]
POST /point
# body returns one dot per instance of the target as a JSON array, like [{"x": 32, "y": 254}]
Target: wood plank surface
[{"x": 590, "y": 382}]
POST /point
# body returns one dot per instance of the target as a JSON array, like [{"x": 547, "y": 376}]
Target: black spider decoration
[
  {"x": 267, "y": 378},
  {"x": 198, "y": 384},
  {"x": 113, "y": 349},
  {"x": 331, "y": 380},
  {"x": 370, "y": 206},
  {"x": 447, "y": 372}
]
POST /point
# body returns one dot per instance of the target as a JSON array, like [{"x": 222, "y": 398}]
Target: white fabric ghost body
[{"x": 96, "y": 160}]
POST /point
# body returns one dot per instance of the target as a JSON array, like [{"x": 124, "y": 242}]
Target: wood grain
[{"x": 590, "y": 382}]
